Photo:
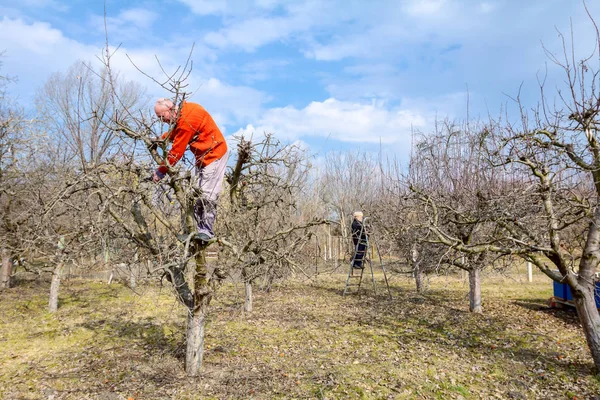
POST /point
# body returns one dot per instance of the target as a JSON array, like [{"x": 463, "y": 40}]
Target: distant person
[
  {"x": 193, "y": 127},
  {"x": 359, "y": 238}
]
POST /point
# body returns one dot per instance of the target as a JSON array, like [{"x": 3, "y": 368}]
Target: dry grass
[{"x": 304, "y": 340}]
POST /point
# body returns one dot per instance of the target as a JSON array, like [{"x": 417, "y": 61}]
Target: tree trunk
[
  {"x": 420, "y": 282},
  {"x": 197, "y": 317},
  {"x": 110, "y": 277},
  {"x": 195, "y": 340},
  {"x": 54, "y": 286},
  {"x": 417, "y": 270},
  {"x": 248, "y": 303},
  {"x": 475, "y": 290},
  {"x": 132, "y": 271},
  {"x": 585, "y": 289},
  {"x": 590, "y": 322},
  {"x": 6, "y": 270}
]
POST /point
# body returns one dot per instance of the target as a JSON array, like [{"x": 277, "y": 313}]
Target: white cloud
[
  {"x": 130, "y": 24},
  {"x": 38, "y": 38},
  {"x": 251, "y": 34},
  {"x": 232, "y": 104},
  {"x": 231, "y": 7},
  {"x": 425, "y": 8},
  {"x": 208, "y": 7},
  {"x": 34, "y": 51},
  {"x": 342, "y": 121},
  {"x": 263, "y": 69},
  {"x": 139, "y": 17},
  {"x": 262, "y": 26},
  {"x": 487, "y": 7}
]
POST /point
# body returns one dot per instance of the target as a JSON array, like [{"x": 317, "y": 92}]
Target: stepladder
[{"x": 365, "y": 249}]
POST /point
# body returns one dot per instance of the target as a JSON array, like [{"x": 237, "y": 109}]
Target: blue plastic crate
[
  {"x": 560, "y": 290},
  {"x": 563, "y": 291},
  {"x": 568, "y": 294}
]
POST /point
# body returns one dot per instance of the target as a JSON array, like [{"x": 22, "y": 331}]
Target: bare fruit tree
[
  {"x": 12, "y": 144},
  {"x": 259, "y": 224},
  {"x": 544, "y": 205},
  {"x": 73, "y": 114},
  {"x": 557, "y": 147},
  {"x": 264, "y": 224},
  {"x": 451, "y": 179},
  {"x": 348, "y": 182}
]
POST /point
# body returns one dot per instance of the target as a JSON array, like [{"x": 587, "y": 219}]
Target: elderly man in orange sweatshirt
[{"x": 191, "y": 125}]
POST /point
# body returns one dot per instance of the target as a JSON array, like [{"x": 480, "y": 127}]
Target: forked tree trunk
[
  {"x": 54, "y": 288},
  {"x": 475, "y": 290},
  {"x": 197, "y": 317},
  {"x": 6, "y": 270},
  {"x": 248, "y": 303}
]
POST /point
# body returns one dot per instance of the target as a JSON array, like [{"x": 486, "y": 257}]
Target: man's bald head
[{"x": 165, "y": 110}]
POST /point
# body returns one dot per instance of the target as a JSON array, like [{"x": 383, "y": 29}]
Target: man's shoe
[
  {"x": 203, "y": 237},
  {"x": 199, "y": 237}
]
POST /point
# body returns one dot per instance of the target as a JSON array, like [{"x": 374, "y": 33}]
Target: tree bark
[
  {"x": 195, "y": 340},
  {"x": 419, "y": 280},
  {"x": 6, "y": 270},
  {"x": 197, "y": 317},
  {"x": 590, "y": 322},
  {"x": 475, "y": 290},
  {"x": 585, "y": 289},
  {"x": 54, "y": 287},
  {"x": 248, "y": 304}
]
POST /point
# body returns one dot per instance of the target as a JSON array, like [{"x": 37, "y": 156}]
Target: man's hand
[{"x": 157, "y": 176}]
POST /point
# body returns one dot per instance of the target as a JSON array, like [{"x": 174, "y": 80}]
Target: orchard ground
[{"x": 303, "y": 340}]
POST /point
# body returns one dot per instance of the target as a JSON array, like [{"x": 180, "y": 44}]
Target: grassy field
[{"x": 304, "y": 340}]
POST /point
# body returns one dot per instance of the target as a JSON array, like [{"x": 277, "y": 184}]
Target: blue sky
[{"x": 332, "y": 74}]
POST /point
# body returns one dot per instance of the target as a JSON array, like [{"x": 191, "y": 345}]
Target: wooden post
[{"x": 529, "y": 272}]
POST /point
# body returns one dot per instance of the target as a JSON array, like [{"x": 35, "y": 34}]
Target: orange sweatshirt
[{"x": 195, "y": 127}]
